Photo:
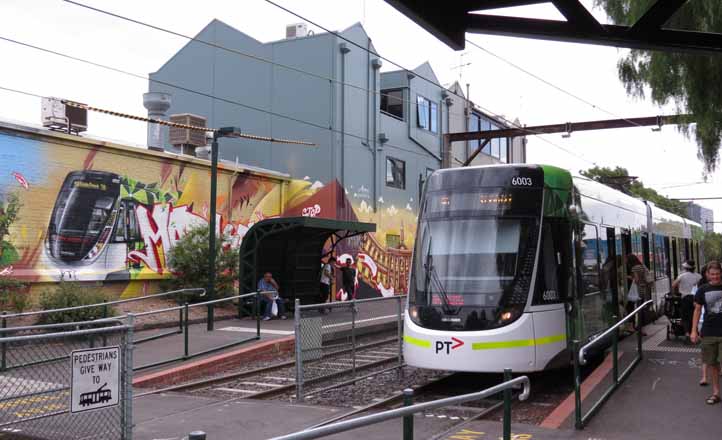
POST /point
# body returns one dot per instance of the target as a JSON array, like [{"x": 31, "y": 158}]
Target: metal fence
[
  {"x": 183, "y": 312},
  {"x": 579, "y": 359},
  {"x": 100, "y": 310},
  {"x": 36, "y": 386},
  {"x": 335, "y": 339},
  {"x": 178, "y": 319},
  {"x": 409, "y": 410}
]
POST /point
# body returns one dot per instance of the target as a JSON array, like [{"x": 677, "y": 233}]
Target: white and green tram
[{"x": 512, "y": 261}]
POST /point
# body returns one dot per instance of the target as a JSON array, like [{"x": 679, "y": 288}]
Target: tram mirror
[{"x": 573, "y": 211}]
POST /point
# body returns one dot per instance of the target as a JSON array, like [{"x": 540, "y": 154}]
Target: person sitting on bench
[{"x": 269, "y": 296}]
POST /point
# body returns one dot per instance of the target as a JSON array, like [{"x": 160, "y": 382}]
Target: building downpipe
[
  {"x": 376, "y": 63},
  {"x": 344, "y": 50}
]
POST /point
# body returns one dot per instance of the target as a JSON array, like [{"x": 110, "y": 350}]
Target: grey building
[
  {"x": 701, "y": 215},
  {"x": 379, "y": 133}
]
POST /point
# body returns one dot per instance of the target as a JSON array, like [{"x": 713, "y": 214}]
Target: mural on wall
[{"x": 111, "y": 214}]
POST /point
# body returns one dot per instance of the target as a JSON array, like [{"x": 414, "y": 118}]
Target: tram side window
[
  {"x": 589, "y": 260},
  {"x": 660, "y": 257},
  {"x": 553, "y": 269}
]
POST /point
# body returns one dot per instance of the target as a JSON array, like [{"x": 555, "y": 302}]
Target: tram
[
  {"x": 512, "y": 261},
  {"x": 83, "y": 216}
]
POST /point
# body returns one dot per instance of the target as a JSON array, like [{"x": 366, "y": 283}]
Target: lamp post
[{"x": 211, "y": 288}]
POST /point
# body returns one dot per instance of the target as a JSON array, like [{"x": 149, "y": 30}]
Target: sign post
[{"x": 95, "y": 378}]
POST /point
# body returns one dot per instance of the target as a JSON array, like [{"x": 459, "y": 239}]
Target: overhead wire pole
[{"x": 567, "y": 127}]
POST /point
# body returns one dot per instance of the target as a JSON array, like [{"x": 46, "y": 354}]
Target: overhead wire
[
  {"x": 146, "y": 78},
  {"x": 298, "y": 70},
  {"x": 186, "y": 89},
  {"x": 158, "y": 121},
  {"x": 242, "y": 53},
  {"x": 430, "y": 81},
  {"x": 552, "y": 85}
]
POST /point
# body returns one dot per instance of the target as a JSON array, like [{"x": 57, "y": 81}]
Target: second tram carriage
[{"x": 511, "y": 261}]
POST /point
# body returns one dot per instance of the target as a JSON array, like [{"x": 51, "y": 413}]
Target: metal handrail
[
  {"x": 103, "y": 304},
  {"x": 335, "y": 304},
  {"x": 90, "y": 331},
  {"x": 583, "y": 351},
  {"x": 372, "y": 419}
]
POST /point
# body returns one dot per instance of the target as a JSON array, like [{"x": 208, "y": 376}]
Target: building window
[
  {"x": 498, "y": 148},
  {"x": 395, "y": 173},
  {"x": 427, "y": 114},
  {"x": 393, "y": 241},
  {"x": 392, "y": 103}
]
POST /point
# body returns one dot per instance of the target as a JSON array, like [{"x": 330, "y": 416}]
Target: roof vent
[
  {"x": 296, "y": 30},
  {"x": 185, "y": 139},
  {"x": 56, "y": 115}
]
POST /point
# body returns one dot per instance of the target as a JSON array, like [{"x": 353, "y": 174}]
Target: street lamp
[{"x": 211, "y": 288}]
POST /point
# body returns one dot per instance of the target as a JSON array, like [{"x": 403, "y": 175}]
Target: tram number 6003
[{"x": 521, "y": 181}]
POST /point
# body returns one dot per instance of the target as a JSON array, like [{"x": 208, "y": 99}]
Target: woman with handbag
[{"x": 639, "y": 289}]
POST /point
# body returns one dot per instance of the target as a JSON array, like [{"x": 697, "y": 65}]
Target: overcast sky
[{"x": 661, "y": 159}]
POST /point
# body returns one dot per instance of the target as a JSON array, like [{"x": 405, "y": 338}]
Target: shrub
[
  {"x": 13, "y": 295},
  {"x": 72, "y": 294},
  {"x": 188, "y": 260}
]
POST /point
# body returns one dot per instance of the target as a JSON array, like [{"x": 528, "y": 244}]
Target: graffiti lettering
[
  {"x": 311, "y": 211},
  {"x": 161, "y": 228}
]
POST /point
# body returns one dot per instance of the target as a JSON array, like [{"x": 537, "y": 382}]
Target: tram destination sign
[{"x": 95, "y": 378}]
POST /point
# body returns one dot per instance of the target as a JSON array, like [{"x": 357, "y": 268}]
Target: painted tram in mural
[{"x": 88, "y": 210}]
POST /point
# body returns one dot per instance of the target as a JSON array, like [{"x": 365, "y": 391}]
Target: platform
[{"x": 660, "y": 400}]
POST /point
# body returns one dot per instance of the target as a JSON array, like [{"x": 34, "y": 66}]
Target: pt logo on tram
[{"x": 447, "y": 346}]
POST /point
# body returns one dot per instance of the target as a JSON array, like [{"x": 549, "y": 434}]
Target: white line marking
[
  {"x": 656, "y": 381},
  {"x": 280, "y": 378},
  {"x": 260, "y": 384},
  {"x": 253, "y": 330},
  {"x": 341, "y": 324},
  {"x": 236, "y": 390}
]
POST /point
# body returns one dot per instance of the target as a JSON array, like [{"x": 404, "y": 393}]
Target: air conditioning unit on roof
[
  {"x": 56, "y": 115},
  {"x": 296, "y": 30},
  {"x": 185, "y": 139}
]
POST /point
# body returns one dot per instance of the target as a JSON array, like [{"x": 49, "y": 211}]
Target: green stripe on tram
[
  {"x": 517, "y": 343},
  {"x": 416, "y": 341}
]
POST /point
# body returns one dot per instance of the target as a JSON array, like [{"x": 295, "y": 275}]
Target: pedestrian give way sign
[{"x": 95, "y": 378}]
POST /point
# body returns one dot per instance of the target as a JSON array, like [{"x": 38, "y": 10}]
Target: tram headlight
[
  {"x": 414, "y": 313},
  {"x": 509, "y": 315}
]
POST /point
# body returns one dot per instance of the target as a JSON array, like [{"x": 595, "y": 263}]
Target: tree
[
  {"x": 693, "y": 82},
  {"x": 619, "y": 179},
  {"x": 8, "y": 215},
  {"x": 188, "y": 260},
  {"x": 712, "y": 246}
]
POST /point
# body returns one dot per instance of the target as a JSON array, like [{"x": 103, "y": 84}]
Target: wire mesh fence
[
  {"x": 342, "y": 338},
  {"x": 36, "y": 386}
]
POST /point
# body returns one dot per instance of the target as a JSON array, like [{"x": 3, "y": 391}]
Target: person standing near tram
[
  {"x": 685, "y": 283},
  {"x": 709, "y": 296}
]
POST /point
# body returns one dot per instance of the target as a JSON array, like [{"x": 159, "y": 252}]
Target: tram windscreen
[
  {"x": 474, "y": 256},
  {"x": 80, "y": 216},
  {"x": 470, "y": 260}
]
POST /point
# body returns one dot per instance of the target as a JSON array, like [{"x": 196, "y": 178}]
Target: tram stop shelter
[{"x": 291, "y": 248}]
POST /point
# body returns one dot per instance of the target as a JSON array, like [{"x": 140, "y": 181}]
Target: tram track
[{"x": 279, "y": 378}]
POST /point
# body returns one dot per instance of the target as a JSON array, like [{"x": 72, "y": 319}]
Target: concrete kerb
[{"x": 195, "y": 369}]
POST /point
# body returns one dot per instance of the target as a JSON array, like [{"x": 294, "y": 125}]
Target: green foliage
[
  {"x": 712, "y": 246},
  {"x": 72, "y": 294},
  {"x": 13, "y": 295},
  {"x": 8, "y": 215},
  {"x": 188, "y": 260},
  {"x": 616, "y": 178},
  {"x": 693, "y": 82}
]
